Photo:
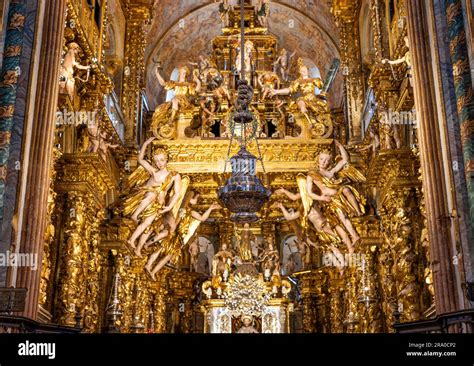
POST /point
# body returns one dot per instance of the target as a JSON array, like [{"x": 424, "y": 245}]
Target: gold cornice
[{"x": 208, "y": 156}]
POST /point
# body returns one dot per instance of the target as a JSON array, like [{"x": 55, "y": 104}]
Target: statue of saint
[
  {"x": 262, "y": 11},
  {"x": 247, "y": 325},
  {"x": 245, "y": 239},
  {"x": 164, "y": 118},
  {"x": 307, "y": 101},
  {"x": 249, "y": 66},
  {"x": 194, "y": 253},
  {"x": 282, "y": 63},
  {"x": 222, "y": 260},
  {"x": 270, "y": 257},
  {"x": 224, "y": 10},
  {"x": 406, "y": 59}
]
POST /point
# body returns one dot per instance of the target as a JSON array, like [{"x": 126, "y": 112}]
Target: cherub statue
[
  {"x": 263, "y": 11},
  {"x": 282, "y": 64},
  {"x": 268, "y": 81},
  {"x": 67, "y": 80},
  {"x": 245, "y": 239},
  {"x": 151, "y": 201},
  {"x": 98, "y": 141},
  {"x": 186, "y": 225},
  {"x": 339, "y": 200},
  {"x": 247, "y": 325},
  {"x": 308, "y": 101},
  {"x": 312, "y": 213},
  {"x": 164, "y": 119}
]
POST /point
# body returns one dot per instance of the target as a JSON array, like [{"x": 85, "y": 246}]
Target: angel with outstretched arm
[
  {"x": 339, "y": 200},
  {"x": 151, "y": 200}
]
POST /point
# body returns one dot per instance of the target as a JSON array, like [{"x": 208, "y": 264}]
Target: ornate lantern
[{"x": 243, "y": 194}]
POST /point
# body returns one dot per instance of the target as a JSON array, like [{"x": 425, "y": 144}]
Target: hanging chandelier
[{"x": 243, "y": 194}]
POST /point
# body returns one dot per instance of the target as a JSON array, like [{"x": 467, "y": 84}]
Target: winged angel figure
[
  {"x": 328, "y": 209},
  {"x": 159, "y": 204}
]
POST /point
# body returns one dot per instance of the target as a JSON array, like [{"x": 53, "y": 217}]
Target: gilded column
[
  {"x": 138, "y": 14},
  {"x": 385, "y": 263},
  {"x": 92, "y": 269},
  {"x": 41, "y": 150},
  {"x": 352, "y": 316},
  {"x": 73, "y": 263},
  {"x": 432, "y": 161},
  {"x": 160, "y": 309},
  {"x": 369, "y": 305},
  {"x": 336, "y": 302},
  {"x": 345, "y": 13},
  {"x": 309, "y": 309}
]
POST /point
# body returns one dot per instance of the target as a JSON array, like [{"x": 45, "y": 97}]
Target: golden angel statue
[
  {"x": 321, "y": 123},
  {"x": 148, "y": 203},
  {"x": 163, "y": 123},
  {"x": 177, "y": 236},
  {"x": 339, "y": 200}
]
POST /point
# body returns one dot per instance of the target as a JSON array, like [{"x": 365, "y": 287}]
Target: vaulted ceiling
[{"x": 181, "y": 30}]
